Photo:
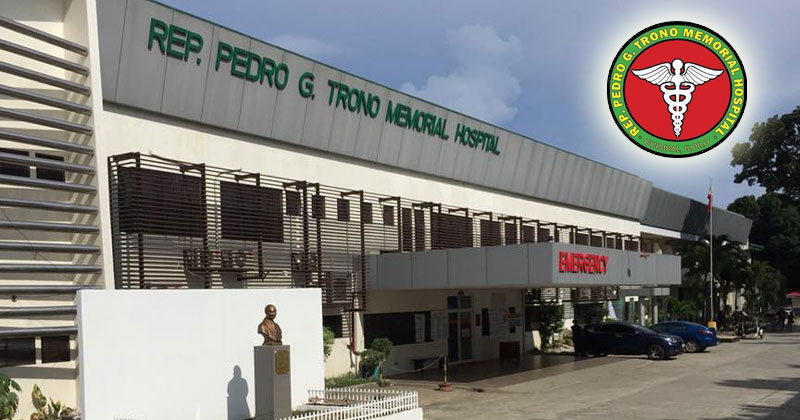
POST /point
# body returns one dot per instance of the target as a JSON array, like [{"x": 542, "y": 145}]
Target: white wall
[
  {"x": 341, "y": 360},
  {"x": 171, "y": 354},
  {"x": 125, "y": 130}
]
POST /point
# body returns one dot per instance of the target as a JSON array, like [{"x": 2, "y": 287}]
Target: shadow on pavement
[
  {"x": 496, "y": 373},
  {"x": 786, "y": 411}
]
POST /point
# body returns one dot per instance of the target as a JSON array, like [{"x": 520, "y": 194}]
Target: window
[
  {"x": 419, "y": 230},
  {"x": 334, "y": 323},
  {"x": 406, "y": 240},
  {"x": 160, "y": 202},
  {"x": 17, "y": 351},
  {"x": 14, "y": 169},
  {"x": 251, "y": 212},
  {"x": 343, "y": 210},
  {"x": 48, "y": 173},
  {"x": 400, "y": 328},
  {"x": 55, "y": 349},
  {"x": 318, "y": 206},
  {"x": 661, "y": 328},
  {"x": 676, "y": 328},
  {"x": 485, "y": 324},
  {"x": 597, "y": 241},
  {"x": 490, "y": 233},
  {"x": 366, "y": 213},
  {"x": 528, "y": 234},
  {"x": 512, "y": 328},
  {"x": 292, "y": 203},
  {"x": 544, "y": 235},
  {"x": 452, "y": 302},
  {"x": 451, "y": 231},
  {"x": 511, "y": 233},
  {"x": 615, "y": 329},
  {"x": 388, "y": 215}
]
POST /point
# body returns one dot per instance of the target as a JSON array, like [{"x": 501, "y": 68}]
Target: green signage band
[{"x": 181, "y": 43}]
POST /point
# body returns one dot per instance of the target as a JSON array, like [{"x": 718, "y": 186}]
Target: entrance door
[{"x": 459, "y": 328}]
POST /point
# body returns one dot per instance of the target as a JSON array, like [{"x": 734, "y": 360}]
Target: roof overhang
[{"x": 523, "y": 266}]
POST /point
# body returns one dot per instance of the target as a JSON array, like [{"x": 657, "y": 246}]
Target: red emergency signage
[{"x": 575, "y": 262}]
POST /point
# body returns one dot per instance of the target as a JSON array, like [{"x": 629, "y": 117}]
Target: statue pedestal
[{"x": 273, "y": 382}]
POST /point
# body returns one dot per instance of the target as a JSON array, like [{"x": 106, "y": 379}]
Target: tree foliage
[
  {"x": 762, "y": 289},
  {"x": 552, "y": 321},
  {"x": 682, "y": 310},
  {"x": 377, "y": 353},
  {"x": 776, "y": 228},
  {"x": 9, "y": 401},
  {"x": 328, "y": 338},
  {"x": 771, "y": 156}
]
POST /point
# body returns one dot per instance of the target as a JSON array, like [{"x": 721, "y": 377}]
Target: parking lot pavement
[{"x": 751, "y": 379}]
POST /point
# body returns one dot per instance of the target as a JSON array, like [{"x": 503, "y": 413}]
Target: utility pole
[{"x": 711, "y": 252}]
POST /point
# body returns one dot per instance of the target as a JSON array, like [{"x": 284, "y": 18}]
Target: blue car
[
  {"x": 626, "y": 338},
  {"x": 696, "y": 337}
]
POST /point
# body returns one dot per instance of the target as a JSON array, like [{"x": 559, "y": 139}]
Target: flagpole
[{"x": 711, "y": 250}]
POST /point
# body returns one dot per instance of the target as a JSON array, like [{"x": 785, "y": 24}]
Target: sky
[{"x": 534, "y": 67}]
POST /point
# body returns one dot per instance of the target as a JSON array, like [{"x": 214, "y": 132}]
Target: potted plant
[{"x": 375, "y": 355}]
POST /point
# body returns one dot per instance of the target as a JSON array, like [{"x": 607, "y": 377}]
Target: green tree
[
  {"x": 730, "y": 270},
  {"x": 775, "y": 231},
  {"x": 762, "y": 288},
  {"x": 551, "y": 318},
  {"x": 747, "y": 206},
  {"x": 771, "y": 156}
]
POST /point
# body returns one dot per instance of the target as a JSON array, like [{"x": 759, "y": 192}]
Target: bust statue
[{"x": 269, "y": 328}]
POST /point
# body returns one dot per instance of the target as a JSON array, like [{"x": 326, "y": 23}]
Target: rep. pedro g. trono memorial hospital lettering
[{"x": 183, "y": 44}]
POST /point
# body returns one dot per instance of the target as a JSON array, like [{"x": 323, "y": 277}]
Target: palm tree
[{"x": 681, "y": 310}]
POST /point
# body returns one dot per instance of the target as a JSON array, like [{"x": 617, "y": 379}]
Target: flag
[{"x": 710, "y": 198}]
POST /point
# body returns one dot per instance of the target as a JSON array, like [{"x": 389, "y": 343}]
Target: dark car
[
  {"x": 626, "y": 338},
  {"x": 696, "y": 338}
]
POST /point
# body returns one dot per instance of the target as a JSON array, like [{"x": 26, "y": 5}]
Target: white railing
[{"x": 357, "y": 404}]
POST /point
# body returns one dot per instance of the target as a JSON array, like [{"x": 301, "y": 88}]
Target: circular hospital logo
[{"x": 677, "y": 89}]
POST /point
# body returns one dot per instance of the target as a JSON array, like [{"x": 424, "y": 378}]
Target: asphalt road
[{"x": 744, "y": 380}]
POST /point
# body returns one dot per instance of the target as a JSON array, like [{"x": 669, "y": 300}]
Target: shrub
[
  {"x": 348, "y": 379},
  {"x": 552, "y": 321},
  {"x": 328, "y": 337},
  {"x": 8, "y": 397},
  {"x": 376, "y": 354},
  {"x": 55, "y": 410}
]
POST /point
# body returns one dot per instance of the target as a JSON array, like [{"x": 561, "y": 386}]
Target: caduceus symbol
[{"x": 677, "y": 81}]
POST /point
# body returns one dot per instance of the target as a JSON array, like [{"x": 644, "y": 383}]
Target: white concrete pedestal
[{"x": 273, "y": 382}]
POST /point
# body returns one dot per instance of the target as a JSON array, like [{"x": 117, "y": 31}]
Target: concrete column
[
  {"x": 640, "y": 309},
  {"x": 654, "y": 310}
]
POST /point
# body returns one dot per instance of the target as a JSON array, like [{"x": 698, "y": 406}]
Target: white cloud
[
  {"x": 306, "y": 45},
  {"x": 481, "y": 84}
]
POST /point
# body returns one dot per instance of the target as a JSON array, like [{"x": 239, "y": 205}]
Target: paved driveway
[{"x": 744, "y": 380}]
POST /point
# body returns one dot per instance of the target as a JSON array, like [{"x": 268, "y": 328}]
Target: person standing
[
  {"x": 576, "y": 338},
  {"x": 790, "y": 320}
]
